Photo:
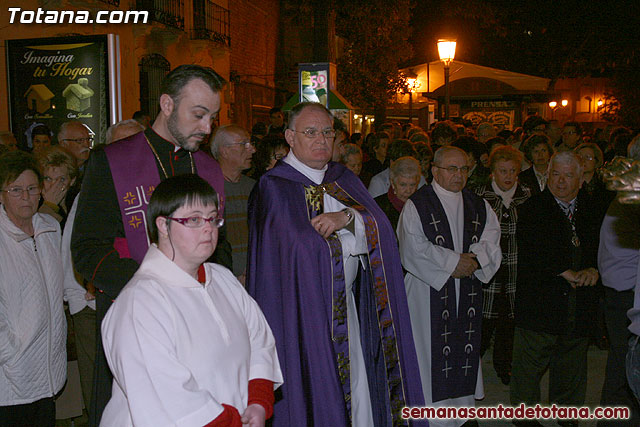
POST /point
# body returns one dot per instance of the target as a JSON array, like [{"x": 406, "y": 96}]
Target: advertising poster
[
  {"x": 55, "y": 80},
  {"x": 314, "y": 87},
  {"x": 316, "y": 81}
]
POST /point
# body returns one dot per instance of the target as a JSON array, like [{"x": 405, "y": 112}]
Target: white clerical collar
[
  {"x": 506, "y": 196},
  {"x": 315, "y": 175},
  {"x": 440, "y": 191}
]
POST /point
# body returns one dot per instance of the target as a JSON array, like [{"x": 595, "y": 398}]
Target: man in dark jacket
[{"x": 555, "y": 295}]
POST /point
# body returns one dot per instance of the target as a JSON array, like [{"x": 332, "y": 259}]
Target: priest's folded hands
[
  {"x": 327, "y": 223},
  {"x": 466, "y": 266}
]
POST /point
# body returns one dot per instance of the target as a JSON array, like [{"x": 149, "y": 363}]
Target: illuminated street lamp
[
  {"x": 412, "y": 85},
  {"x": 565, "y": 102},
  {"x": 553, "y": 104},
  {"x": 447, "y": 51}
]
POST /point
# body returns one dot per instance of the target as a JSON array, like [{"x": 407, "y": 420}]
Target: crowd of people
[{"x": 223, "y": 276}]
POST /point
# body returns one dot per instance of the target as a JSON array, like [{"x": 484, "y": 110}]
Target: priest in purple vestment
[{"x": 324, "y": 267}]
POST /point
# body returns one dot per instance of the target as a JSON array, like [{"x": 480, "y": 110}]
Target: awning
[
  {"x": 336, "y": 102},
  {"x": 431, "y": 76}
]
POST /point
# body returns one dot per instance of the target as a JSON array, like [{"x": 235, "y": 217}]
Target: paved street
[{"x": 496, "y": 392}]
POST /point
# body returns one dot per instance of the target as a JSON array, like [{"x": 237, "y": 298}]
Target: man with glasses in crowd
[
  {"x": 231, "y": 146},
  {"x": 571, "y": 136},
  {"x": 75, "y": 137},
  {"x": 323, "y": 266},
  {"x": 109, "y": 237},
  {"x": 449, "y": 245}
]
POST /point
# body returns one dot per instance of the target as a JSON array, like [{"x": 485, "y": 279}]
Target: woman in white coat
[
  {"x": 186, "y": 344},
  {"x": 33, "y": 329}
]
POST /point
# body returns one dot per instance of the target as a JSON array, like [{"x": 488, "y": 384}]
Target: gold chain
[{"x": 164, "y": 171}]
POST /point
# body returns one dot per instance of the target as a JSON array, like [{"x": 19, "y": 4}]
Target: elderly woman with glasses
[
  {"x": 60, "y": 171},
  {"x": 404, "y": 176},
  {"x": 33, "y": 329},
  {"x": 185, "y": 342}
]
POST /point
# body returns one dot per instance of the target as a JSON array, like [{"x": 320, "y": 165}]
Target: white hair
[
  {"x": 129, "y": 122},
  {"x": 567, "y": 157},
  {"x": 64, "y": 127},
  {"x": 221, "y": 136},
  {"x": 405, "y": 166},
  {"x": 442, "y": 151}
]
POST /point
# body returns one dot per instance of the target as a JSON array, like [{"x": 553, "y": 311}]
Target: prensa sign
[{"x": 54, "y": 80}]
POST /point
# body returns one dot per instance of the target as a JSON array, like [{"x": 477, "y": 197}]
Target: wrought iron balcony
[
  {"x": 210, "y": 22},
  {"x": 168, "y": 12}
]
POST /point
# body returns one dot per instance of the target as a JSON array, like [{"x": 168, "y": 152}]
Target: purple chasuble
[
  {"x": 134, "y": 169},
  {"x": 297, "y": 278},
  {"x": 455, "y": 333}
]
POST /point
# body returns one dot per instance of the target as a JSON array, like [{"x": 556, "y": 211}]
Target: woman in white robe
[{"x": 186, "y": 344}]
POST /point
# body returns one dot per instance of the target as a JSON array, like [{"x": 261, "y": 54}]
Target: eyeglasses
[
  {"x": 49, "y": 179},
  {"x": 198, "y": 221},
  {"x": 79, "y": 140},
  {"x": 587, "y": 157},
  {"x": 313, "y": 133},
  {"x": 454, "y": 169},
  {"x": 32, "y": 190},
  {"x": 247, "y": 144}
]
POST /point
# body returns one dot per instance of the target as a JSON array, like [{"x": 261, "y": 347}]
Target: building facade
[{"x": 237, "y": 38}]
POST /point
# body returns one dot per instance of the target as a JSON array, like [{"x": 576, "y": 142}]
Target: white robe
[
  {"x": 429, "y": 265},
  {"x": 178, "y": 350},
  {"x": 353, "y": 245}
]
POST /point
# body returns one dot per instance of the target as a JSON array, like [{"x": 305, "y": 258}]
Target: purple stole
[
  {"x": 455, "y": 334},
  {"x": 134, "y": 170},
  {"x": 389, "y": 359}
]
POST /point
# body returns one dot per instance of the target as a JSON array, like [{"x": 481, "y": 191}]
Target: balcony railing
[
  {"x": 168, "y": 12},
  {"x": 210, "y": 22},
  {"x": 111, "y": 2}
]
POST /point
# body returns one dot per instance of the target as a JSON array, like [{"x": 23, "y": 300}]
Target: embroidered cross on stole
[
  {"x": 455, "y": 331},
  {"x": 134, "y": 185}
]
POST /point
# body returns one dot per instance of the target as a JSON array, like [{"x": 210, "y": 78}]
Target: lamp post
[
  {"x": 412, "y": 84},
  {"x": 553, "y": 105},
  {"x": 447, "y": 51}
]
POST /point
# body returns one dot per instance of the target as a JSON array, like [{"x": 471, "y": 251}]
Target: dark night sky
[{"x": 543, "y": 37}]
